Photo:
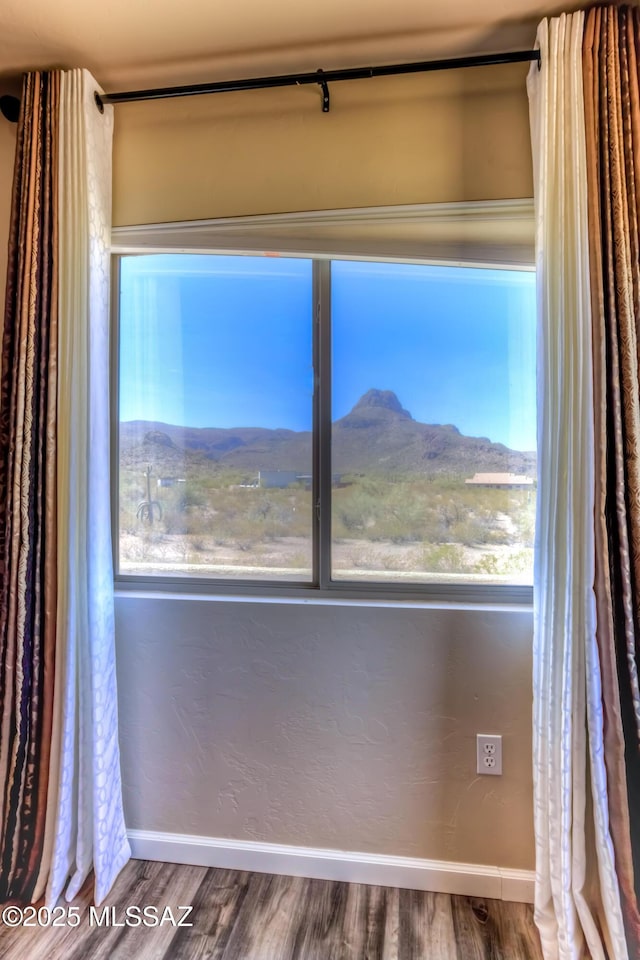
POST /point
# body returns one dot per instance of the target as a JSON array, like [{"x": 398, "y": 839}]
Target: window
[
  {"x": 216, "y": 413},
  {"x": 331, "y": 424}
]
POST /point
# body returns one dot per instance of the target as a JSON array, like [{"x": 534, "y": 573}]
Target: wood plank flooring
[{"x": 254, "y": 916}]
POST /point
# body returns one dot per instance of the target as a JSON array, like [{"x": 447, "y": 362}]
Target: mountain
[
  {"x": 375, "y": 408},
  {"x": 377, "y": 435}
]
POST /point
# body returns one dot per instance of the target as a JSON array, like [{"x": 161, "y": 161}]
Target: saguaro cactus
[{"x": 147, "y": 507}]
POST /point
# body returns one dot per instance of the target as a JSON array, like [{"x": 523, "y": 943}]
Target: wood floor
[{"x": 253, "y": 916}]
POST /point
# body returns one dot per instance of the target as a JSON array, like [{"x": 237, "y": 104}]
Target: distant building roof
[{"x": 501, "y": 480}]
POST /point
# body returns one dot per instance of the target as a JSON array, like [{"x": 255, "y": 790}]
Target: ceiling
[{"x": 133, "y": 43}]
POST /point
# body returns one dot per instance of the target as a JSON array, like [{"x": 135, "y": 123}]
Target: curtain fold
[
  {"x": 27, "y": 492},
  {"x": 577, "y": 903},
  {"x": 61, "y": 809},
  {"x": 612, "y": 110},
  {"x": 90, "y": 820}
]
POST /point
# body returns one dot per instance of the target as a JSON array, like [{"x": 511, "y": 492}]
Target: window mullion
[{"x": 322, "y": 424}]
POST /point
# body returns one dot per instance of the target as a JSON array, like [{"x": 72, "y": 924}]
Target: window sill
[{"x": 483, "y": 598}]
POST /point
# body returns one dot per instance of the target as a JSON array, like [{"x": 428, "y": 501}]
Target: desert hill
[{"x": 377, "y": 435}]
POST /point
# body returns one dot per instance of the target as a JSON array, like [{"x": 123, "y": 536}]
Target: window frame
[{"x": 208, "y": 237}]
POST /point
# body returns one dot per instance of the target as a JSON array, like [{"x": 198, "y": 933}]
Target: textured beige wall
[
  {"x": 457, "y": 135},
  {"x": 327, "y": 726}
]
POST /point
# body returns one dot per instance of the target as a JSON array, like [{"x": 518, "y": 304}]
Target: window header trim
[{"x": 485, "y": 233}]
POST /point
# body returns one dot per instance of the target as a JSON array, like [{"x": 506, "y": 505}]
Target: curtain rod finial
[{"x": 10, "y": 108}]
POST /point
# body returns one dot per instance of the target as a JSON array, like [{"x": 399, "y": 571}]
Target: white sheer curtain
[
  {"x": 85, "y": 820},
  {"x": 577, "y": 898}
]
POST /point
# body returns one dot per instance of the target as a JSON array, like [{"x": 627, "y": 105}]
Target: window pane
[
  {"x": 433, "y": 435},
  {"x": 215, "y": 416}
]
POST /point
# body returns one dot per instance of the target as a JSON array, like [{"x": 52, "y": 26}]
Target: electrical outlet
[{"x": 489, "y": 754}]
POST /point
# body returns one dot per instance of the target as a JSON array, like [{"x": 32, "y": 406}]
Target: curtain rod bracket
[{"x": 326, "y": 102}]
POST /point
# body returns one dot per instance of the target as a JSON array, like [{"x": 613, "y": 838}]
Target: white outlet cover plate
[{"x": 489, "y": 754}]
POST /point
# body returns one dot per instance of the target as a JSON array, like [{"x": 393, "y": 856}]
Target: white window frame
[{"x": 485, "y": 234}]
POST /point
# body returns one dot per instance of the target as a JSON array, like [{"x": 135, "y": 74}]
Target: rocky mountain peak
[
  {"x": 376, "y": 405},
  {"x": 158, "y": 437}
]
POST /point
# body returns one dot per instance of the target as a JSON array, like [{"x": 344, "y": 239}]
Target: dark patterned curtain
[
  {"x": 27, "y": 493},
  {"x": 612, "y": 118}
]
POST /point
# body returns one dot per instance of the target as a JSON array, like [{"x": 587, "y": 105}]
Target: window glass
[
  {"x": 215, "y": 411},
  {"x": 433, "y": 435},
  {"x": 431, "y": 431}
]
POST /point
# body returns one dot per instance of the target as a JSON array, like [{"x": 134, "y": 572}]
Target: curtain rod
[{"x": 9, "y": 106}]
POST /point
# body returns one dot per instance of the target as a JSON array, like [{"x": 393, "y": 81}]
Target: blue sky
[{"x": 226, "y": 341}]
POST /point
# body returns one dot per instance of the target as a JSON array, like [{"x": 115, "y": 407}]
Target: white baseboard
[{"x": 438, "y": 876}]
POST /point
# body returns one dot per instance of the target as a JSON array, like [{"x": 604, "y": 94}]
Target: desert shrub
[
  {"x": 365, "y": 557},
  {"x": 190, "y": 497},
  {"x": 525, "y": 524},
  {"x": 354, "y": 511},
  {"x": 474, "y": 531},
  {"x": 444, "y": 558},
  {"x": 519, "y": 561},
  {"x": 469, "y": 531},
  {"x": 173, "y": 522},
  {"x": 489, "y": 565}
]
